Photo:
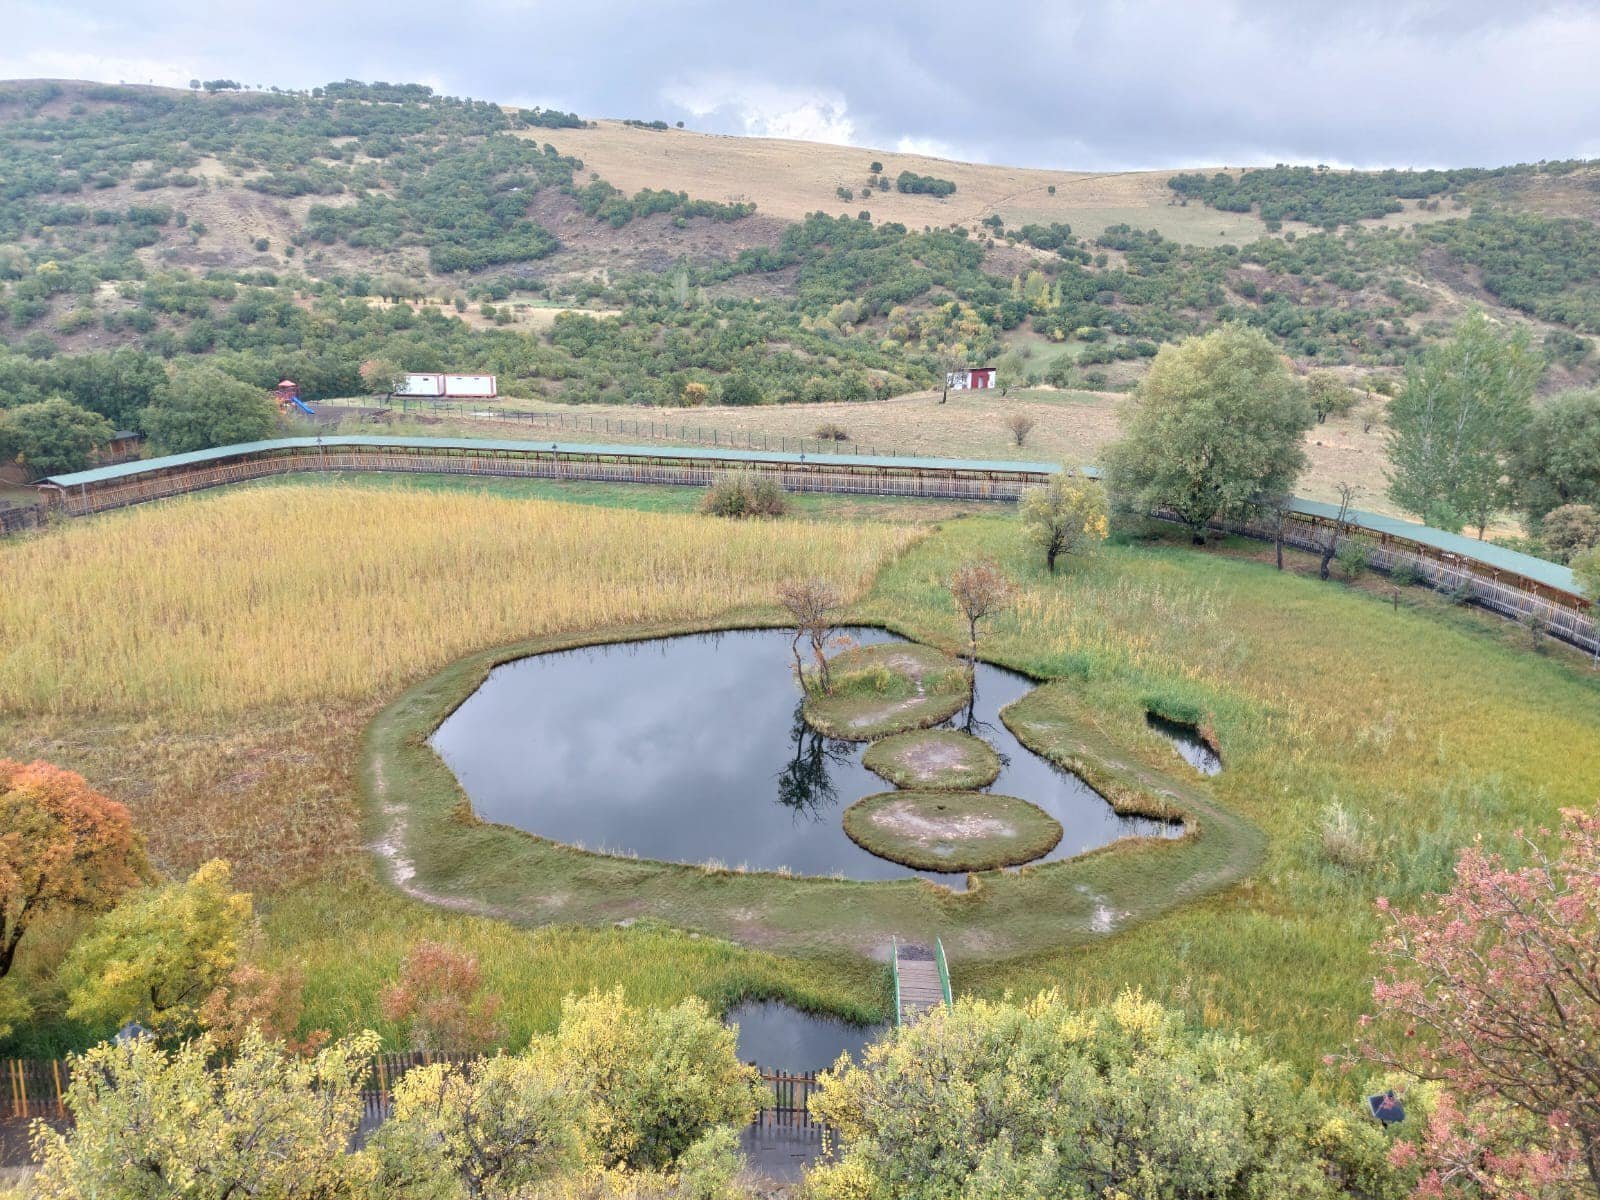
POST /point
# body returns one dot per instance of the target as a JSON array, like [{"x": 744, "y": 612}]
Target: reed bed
[{"x": 260, "y": 597}]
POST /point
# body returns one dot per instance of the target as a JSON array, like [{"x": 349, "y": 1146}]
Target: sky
[{"x": 1090, "y": 85}]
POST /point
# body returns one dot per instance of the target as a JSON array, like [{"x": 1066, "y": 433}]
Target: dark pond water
[
  {"x": 692, "y": 749},
  {"x": 773, "y": 1035},
  {"x": 1187, "y": 741}
]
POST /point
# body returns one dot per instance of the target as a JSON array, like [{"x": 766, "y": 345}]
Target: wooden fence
[
  {"x": 1470, "y": 580},
  {"x": 653, "y": 430},
  {"x": 638, "y": 467},
  {"x": 36, "y": 1089}
]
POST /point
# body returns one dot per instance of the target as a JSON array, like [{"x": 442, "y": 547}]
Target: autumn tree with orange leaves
[{"x": 63, "y": 846}]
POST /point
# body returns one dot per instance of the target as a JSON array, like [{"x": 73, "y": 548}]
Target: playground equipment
[{"x": 288, "y": 396}]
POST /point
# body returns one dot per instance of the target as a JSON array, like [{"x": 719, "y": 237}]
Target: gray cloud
[{"x": 1096, "y": 84}]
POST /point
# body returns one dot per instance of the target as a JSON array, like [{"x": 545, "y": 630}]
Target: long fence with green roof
[{"x": 1544, "y": 594}]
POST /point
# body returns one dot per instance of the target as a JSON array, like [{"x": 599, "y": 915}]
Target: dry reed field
[{"x": 254, "y": 598}]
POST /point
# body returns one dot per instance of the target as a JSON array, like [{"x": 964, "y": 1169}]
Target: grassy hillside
[{"x": 590, "y": 261}]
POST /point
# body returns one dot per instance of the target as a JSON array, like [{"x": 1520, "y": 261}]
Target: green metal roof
[
  {"x": 703, "y": 453},
  {"x": 1513, "y": 561}
]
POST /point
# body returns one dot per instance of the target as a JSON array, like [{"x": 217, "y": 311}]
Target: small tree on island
[
  {"x": 813, "y": 605},
  {"x": 1065, "y": 515},
  {"x": 1217, "y": 423},
  {"x": 980, "y": 590},
  {"x": 1493, "y": 995}
]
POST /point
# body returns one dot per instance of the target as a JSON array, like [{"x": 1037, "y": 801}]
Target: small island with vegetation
[
  {"x": 951, "y": 831},
  {"x": 934, "y": 759},
  {"x": 889, "y": 688}
]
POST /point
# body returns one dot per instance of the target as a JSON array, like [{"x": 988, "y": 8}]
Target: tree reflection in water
[{"x": 804, "y": 785}]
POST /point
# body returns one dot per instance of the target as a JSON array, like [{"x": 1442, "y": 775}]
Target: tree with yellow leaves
[
  {"x": 148, "y": 1122},
  {"x": 157, "y": 956},
  {"x": 1063, "y": 516}
]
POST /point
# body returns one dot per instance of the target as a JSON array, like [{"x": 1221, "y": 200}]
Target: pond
[
  {"x": 780, "y": 1038},
  {"x": 1186, "y": 740},
  {"x": 692, "y": 749}
]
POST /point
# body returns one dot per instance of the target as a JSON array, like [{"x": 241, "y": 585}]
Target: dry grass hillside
[{"x": 789, "y": 179}]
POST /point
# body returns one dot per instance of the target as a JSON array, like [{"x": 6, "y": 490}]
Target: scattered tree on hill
[
  {"x": 53, "y": 437},
  {"x": 813, "y": 605},
  {"x": 441, "y": 1001},
  {"x": 203, "y": 407},
  {"x": 63, "y": 848},
  {"x": 1217, "y": 423},
  {"x": 741, "y": 390},
  {"x": 1464, "y": 407},
  {"x": 147, "y": 1122},
  {"x": 1035, "y": 1100},
  {"x": 1021, "y": 425},
  {"x": 1065, "y": 515},
  {"x": 1328, "y": 395},
  {"x": 381, "y": 377},
  {"x": 980, "y": 590},
  {"x": 1557, "y": 461},
  {"x": 1492, "y": 994},
  {"x": 695, "y": 394},
  {"x": 924, "y": 185},
  {"x": 1570, "y": 530},
  {"x": 158, "y": 955}
]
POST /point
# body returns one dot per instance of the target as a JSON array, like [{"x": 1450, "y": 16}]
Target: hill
[{"x": 584, "y": 261}]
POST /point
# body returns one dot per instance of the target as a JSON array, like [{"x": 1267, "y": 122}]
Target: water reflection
[
  {"x": 805, "y": 785},
  {"x": 689, "y": 749},
  {"x": 1186, "y": 740}
]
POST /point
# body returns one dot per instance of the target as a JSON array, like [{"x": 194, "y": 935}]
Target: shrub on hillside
[
  {"x": 829, "y": 432},
  {"x": 744, "y": 494}
]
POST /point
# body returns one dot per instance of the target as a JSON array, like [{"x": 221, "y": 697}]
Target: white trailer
[
  {"x": 470, "y": 387},
  {"x": 421, "y": 387}
]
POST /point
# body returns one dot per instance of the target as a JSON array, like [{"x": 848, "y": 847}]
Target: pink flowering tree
[{"x": 1495, "y": 996}]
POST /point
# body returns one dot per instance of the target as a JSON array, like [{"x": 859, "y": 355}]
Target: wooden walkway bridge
[{"x": 921, "y": 979}]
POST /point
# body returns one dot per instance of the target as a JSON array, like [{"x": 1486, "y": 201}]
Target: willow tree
[{"x": 1217, "y": 423}]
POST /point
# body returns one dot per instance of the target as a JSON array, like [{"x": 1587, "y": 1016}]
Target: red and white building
[{"x": 971, "y": 379}]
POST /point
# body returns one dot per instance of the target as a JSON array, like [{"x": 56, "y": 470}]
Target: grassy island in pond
[
  {"x": 888, "y": 688},
  {"x": 941, "y": 759},
  {"x": 951, "y": 831}
]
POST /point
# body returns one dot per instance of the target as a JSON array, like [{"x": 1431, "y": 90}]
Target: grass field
[
  {"x": 1069, "y": 426},
  {"x": 228, "y": 653}
]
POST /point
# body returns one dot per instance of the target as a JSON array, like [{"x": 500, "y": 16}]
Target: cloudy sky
[{"x": 1095, "y": 84}]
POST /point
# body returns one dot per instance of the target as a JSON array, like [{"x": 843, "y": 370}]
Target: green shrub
[
  {"x": 1353, "y": 557},
  {"x": 744, "y": 494}
]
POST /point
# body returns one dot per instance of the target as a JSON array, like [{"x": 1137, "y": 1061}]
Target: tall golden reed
[{"x": 233, "y": 600}]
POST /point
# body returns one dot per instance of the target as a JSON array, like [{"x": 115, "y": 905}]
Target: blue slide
[{"x": 302, "y": 406}]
